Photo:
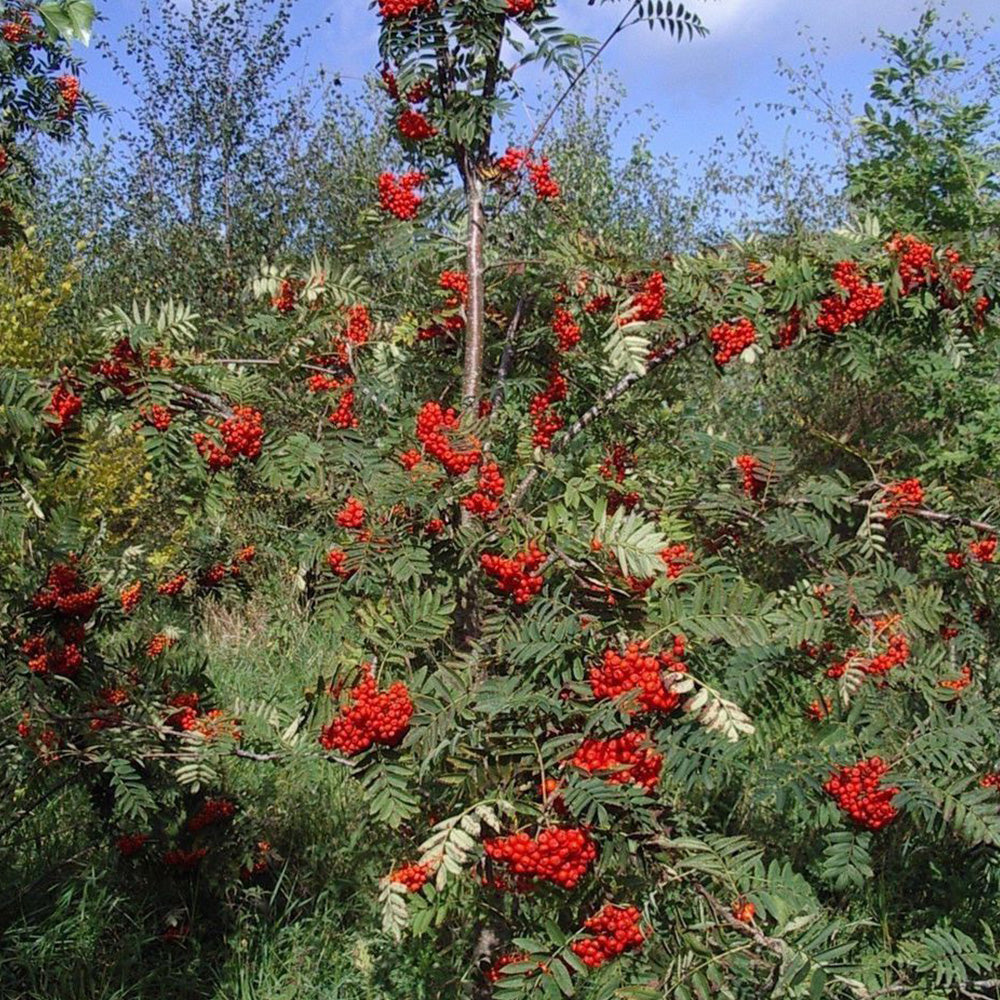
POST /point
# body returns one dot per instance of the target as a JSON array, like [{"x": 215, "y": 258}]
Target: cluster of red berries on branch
[
  {"x": 819, "y": 710},
  {"x": 743, "y": 910},
  {"x": 336, "y": 559},
  {"x": 173, "y": 586},
  {"x": 515, "y": 8},
  {"x": 395, "y": 9},
  {"x": 628, "y": 759},
  {"x": 545, "y": 422},
  {"x": 490, "y": 489},
  {"x": 983, "y": 550},
  {"x": 730, "y": 340},
  {"x": 65, "y": 593},
  {"x": 124, "y": 366},
  {"x": 917, "y": 268},
  {"x": 437, "y": 429},
  {"x": 753, "y": 481},
  {"x": 359, "y": 325},
  {"x": 190, "y": 718},
  {"x": 518, "y": 575},
  {"x": 69, "y": 95},
  {"x": 457, "y": 283},
  {"x": 858, "y": 791},
  {"x": 16, "y": 32},
  {"x": 287, "y": 297},
  {"x": 212, "y": 811},
  {"x": 105, "y": 714},
  {"x": 959, "y": 683},
  {"x": 678, "y": 559},
  {"x": 64, "y": 406},
  {"x": 612, "y": 931},
  {"x": 369, "y": 717},
  {"x": 789, "y": 331},
  {"x": 44, "y": 741},
  {"x": 412, "y": 877},
  {"x": 560, "y": 855},
  {"x": 159, "y": 644},
  {"x": 185, "y": 861},
  {"x": 131, "y": 596},
  {"x": 4, "y": 159},
  {"x": 898, "y": 498},
  {"x": 838, "y": 312},
  {"x": 352, "y": 514},
  {"x": 417, "y": 94},
  {"x": 617, "y": 463},
  {"x": 158, "y": 417},
  {"x": 496, "y": 971},
  {"x": 130, "y": 844},
  {"x": 414, "y": 126},
  {"x": 991, "y": 780},
  {"x": 598, "y": 304},
  {"x": 567, "y": 331},
  {"x": 397, "y": 195},
  {"x": 242, "y": 436},
  {"x": 636, "y": 670},
  {"x": 647, "y": 305},
  {"x": 60, "y": 659},
  {"x": 539, "y": 172}
]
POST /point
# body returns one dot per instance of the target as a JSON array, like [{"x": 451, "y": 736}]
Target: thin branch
[
  {"x": 276, "y": 757},
  {"x": 524, "y": 304},
  {"x": 590, "y": 415}
]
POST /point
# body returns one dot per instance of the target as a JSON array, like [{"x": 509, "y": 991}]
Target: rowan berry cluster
[
  {"x": 991, "y": 780},
  {"x": 677, "y": 559},
  {"x": 916, "y": 265},
  {"x": 214, "y": 575},
  {"x": 896, "y": 655},
  {"x": 15, "y": 32},
  {"x": 560, "y": 855},
  {"x": 958, "y": 683},
  {"x": 490, "y": 488},
  {"x": 352, "y": 515},
  {"x": 394, "y": 9},
  {"x": 516, "y": 575},
  {"x": 159, "y": 644},
  {"x": 635, "y": 670},
  {"x": 437, "y": 429},
  {"x": 517, "y": 7},
  {"x": 857, "y": 790},
  {"x": 819, "y": 710},
  {"x": 105, "y": 715},
  {"x": 65, "y": 593},
  {"x": 185, "y": 861},
  {"x": 456, "y": 282},
  {"x": 69, "y": 94},
  {"x": 131, "y": 844},
  {"x": 212, "y": 811},
  {"x": 369, "y": 717},
  {"x": 545, "y": 422},
  {"x": 397, "y": 195},
  {"x": 627, "y": 758},
  {"x": 131, "y": 596},
  {"x": 172, "y": 587},
  {"x": 242, "y": 435},
  {"x": 496, "y": 971},
  {"x": 60, "y": 660},
  {"x": 44, "y": 741},
  {"x": 617, "y": 462},
  {"x": 413, "y": 876},
  {"x": 287, "y": 297},
  {"x": 566, "y": 330},
  {"x": 336, "y": 559},
  {"x": 743, "y": 910},
  {"x": 539, "y": 172},
  {"x": 4, "y": 159},
  {"x": 415, "y": 126},
  {"x": 647, "y": 304},
  {"x": 752, "y": 482},
  {"x": 159, "y": 417},
  {"x": 64, "y": 406},
  {"x": 789, "y": 331},
  {"x": 732, "y": 339},
  {"x": 901, "y": 497},
  {"x": 837, "y": 312},
  {"x": 984, "y": 549},
  {"x": 613, "y": 930}
]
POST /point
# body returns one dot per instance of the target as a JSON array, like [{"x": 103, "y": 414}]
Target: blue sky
[{"x": 693, "y": 89}]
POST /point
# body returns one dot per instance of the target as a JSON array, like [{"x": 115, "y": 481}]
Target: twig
[
  {"x": 524, "y": 303},
  {"x": 273, "y": 758},
  {"x": 590, "y": 415}
]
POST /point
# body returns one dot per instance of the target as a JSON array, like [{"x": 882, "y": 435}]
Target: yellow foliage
[{"x": 27, "y": 301}]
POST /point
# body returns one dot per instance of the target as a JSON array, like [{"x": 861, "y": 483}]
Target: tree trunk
[{"x": 472, "y": 372}]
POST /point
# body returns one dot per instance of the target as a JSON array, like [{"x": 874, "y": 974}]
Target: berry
[
  {"x": 413, "y": 876},
  {"x": 352, "y": 515},
  {"x": 456, "y": 282},
  {"x": 496, "y": 971},
  {"x": 753, "y": 483},
  {"x": 287, "y": 296},
  {"x": 836, "y": 312},
  {"x": 617, "y": 463},
  {"x": 901, "y": 497},
  {"x": 369, "y": 717},
  {"x": 647, "y": 305},
  {"x": 626, "y": 757},
  {"x": 69, "y": 94},
  {"x": 517, "y": 7},
  {"x": 677, "y": 559},
  {"x": 743, "y": 910},
  {"x": 540, "y": 177},
  {"x": 819, "y": 710},
  {"x": 560, "y": 855},
  {"x": 394, "y": 9},
  {"x": 959, "y": 683},
  {"x": 517, "y": 575},
  {"x": 213, "y": 811},
  {"x": 857, "y": 791},
  {"x": 336, "y": 559},
  {"x": 185, "y": 861},
  {"x": 636, "y": 670},
  {"x": 613, "y": 930},
  {"x": 173, "y": 586},
  {"x": 956, "y": 560},
  {"x": 159, "y": 644},
  {"x": 15, "y": 32},
  {"x": 131, "y": 596},
  {"x": 731, "y": 339},
  {"x": 397, "y": 195},
  {"x": 983, "y": 550},
  {"x": 916, "y": 265},
  {"x": 436, "y": 430},
  {"x": 566, "y": 330},
  {"x": 359, "y": 325},
  {"x": 413, "y": 125},
  {"x": 131, "y": 844},
  {"x": 64, "y": 406},
  {"x": 486, "y": 500},
  {"x": 545, "y": 423}
]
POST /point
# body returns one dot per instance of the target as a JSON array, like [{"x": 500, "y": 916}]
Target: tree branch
[{"x": 524, "y": 304}]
